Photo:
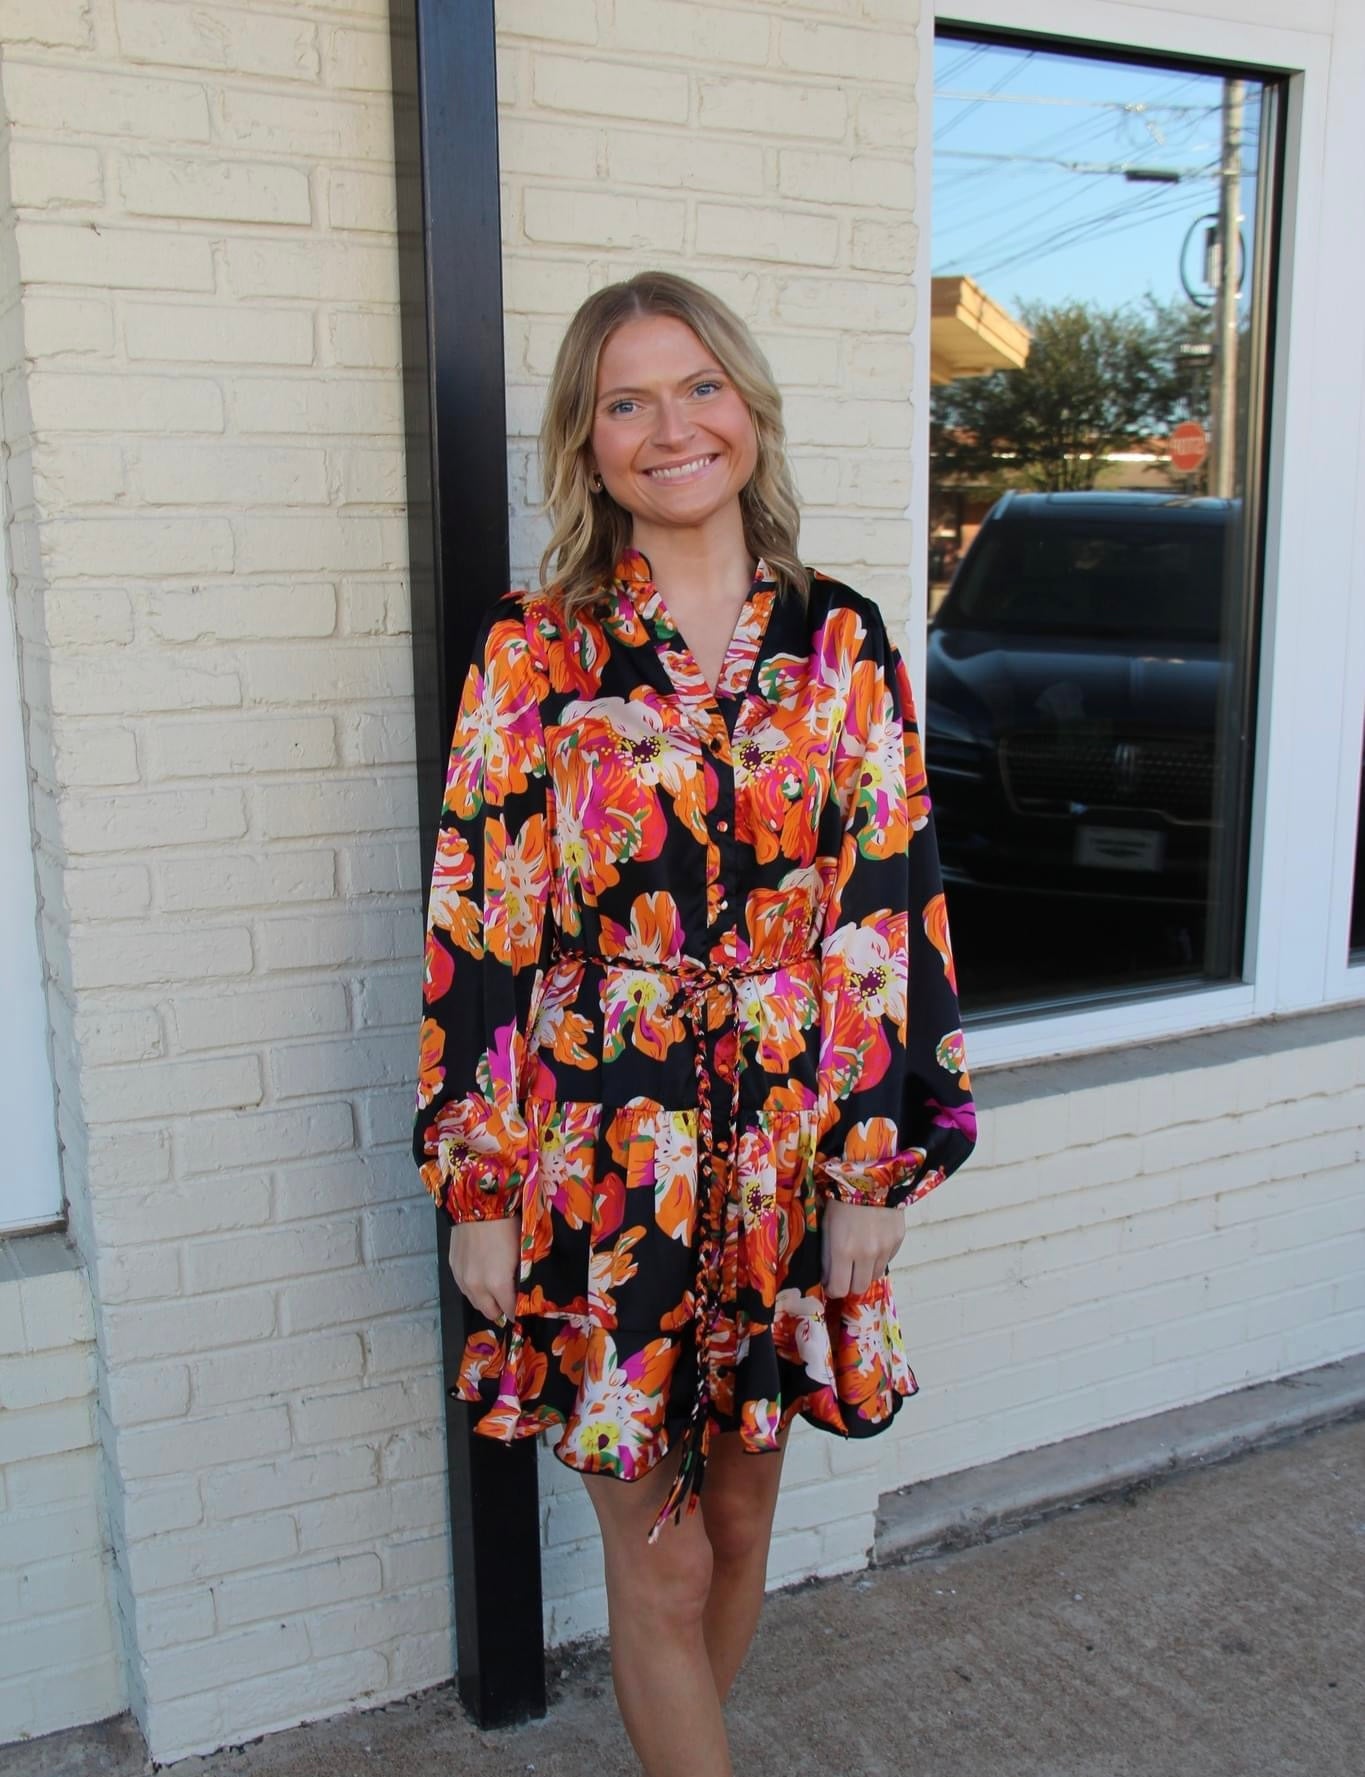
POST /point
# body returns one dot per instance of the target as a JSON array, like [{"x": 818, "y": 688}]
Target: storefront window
[{"x": 1103, "y": 236}]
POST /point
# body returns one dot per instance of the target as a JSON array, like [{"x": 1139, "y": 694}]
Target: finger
[
  {"x": 505, "y": 1295},
  {"x": 825, "y": 1272},
  {"x": 840, "y": 1276}
]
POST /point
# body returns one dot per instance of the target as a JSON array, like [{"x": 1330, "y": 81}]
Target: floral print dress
[{"x": 687, "y": 975}]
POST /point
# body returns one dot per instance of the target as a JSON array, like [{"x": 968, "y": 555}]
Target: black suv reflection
[{"x": 1074, "y": 673}]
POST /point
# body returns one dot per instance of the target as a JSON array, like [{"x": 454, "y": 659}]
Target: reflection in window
[
  {"x": 1099, "y": 369},
  {"x": 1358, "y": 897}
]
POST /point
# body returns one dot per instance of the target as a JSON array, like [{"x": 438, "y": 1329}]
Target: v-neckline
[{"x": 635, "y": 582}]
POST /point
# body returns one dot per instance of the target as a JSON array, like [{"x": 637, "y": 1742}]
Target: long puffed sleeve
[
  {"x": 896, "y": 1111},
  {"x": 487, "y": 928}
]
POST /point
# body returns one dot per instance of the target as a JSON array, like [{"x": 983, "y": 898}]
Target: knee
[
  {"x": 738, "y": 1529},
  {"x": 668, "y": 1581}
]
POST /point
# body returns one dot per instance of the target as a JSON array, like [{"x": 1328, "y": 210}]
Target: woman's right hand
[{"x": 485, "y": 1258}]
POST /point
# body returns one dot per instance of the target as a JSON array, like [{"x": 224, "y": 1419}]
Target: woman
[{"x": 692, "y": 1038}]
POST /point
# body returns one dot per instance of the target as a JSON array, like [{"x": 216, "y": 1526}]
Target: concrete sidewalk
[{"x": 1209, "y": 1623}]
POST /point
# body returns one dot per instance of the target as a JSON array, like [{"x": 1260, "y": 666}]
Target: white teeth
[{"x": 679, "y": 470}]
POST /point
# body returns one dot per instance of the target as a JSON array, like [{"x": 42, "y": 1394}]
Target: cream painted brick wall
[
  {"x": 60, "y": 1662},
  {"x": 203, "y": 425}
]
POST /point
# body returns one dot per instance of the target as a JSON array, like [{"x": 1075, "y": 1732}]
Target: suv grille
[{"x": 1172, "y": 774}]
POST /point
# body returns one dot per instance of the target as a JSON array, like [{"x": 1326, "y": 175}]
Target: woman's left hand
[{"x": 859, "y": 1242}]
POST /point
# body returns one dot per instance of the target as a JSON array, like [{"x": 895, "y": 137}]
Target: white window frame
[{"x": 1311, "y": 694}]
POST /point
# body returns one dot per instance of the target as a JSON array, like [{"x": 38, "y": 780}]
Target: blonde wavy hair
[{"x": 589, "y": 530}]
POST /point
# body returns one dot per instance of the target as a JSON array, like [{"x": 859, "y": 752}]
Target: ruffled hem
[{"x": 619, "y": 1402}]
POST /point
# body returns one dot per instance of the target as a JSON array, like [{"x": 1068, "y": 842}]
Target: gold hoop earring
[{"x": 595, "y": 482}]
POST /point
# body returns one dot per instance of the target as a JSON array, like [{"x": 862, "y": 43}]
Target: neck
[{"x": 704, "y": 559}]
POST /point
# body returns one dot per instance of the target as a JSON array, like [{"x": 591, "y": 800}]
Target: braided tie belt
[{"x": 706, "y": 998}]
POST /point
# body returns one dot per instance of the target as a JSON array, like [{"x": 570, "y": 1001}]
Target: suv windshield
[{"x": 1130, "y": 582}]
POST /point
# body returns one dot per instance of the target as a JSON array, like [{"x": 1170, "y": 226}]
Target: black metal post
[{"x": 450, "y": 253}]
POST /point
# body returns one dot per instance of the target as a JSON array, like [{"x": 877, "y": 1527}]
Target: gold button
[{"x": 722, "y": 826}]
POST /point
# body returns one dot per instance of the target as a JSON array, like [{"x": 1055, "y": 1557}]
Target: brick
[
  {"x": 245, "y": 745},
  {"x": 56, "y": 24},
  {"x": 65, "y": 401},
  {"x": 313, "y": 405},
  {"x": 178, "y": 1329},
  {"x": 272, "y": 1701},
  {"x": 272, "y": 545},
  {"x": 358, "y": 60},
  {"x": 185, "y": 1557},
  {"x": 260, "y": 1015},
  {"x": 317, "y": 270},
  {"x": 382, "y": 869},
  {"x": 362, "y": 200},
  {"x": 119, "y": 891},
  {"x": 866, "y": 539},
  {"x": 172, "y": 1620},
  {"x": 224, "y": 1262},
  {"x": 108, "y": 1034},
  {"x": 126, "y": 821},
  {"x": 704, "y": 35},
  {"x": 289, "y": 1590},
  {"x": 137, "y": 546},
  {"x": 241, "y": 880},
  {"x": 148, "y": 956},
  {"x": 404, "y": 1343},
  {"x": 348, "y": 1415},
  {"x": 203, "y": 1442},
  {"x": 134, "y": 1395},
  {"x": 375, "y": 607},
  {"x": 257, "y": 1488},
  {"x": 307, "y": 1070},
  {"x": 260, "y": 474},
  {"x": 365, "y": 341},
  {"x": 398, "y": 1287},
  {"x": 845, "y": 179},
  {"x": 48, "y": 176},
  {"x": 239, "y": 610},
  {"x": 46, "y": 1533},
  {"x": 54, "y": 329},
  {"x": 370, "y": 477},
  {"x": 878, "y": 481},
  {"x": 217, "y": 1144},
  {"x": 572, "y": 21},
  {"x": 379, "y": 738},
  {"x": 539, "y": 285},
  {"x": 789, "y": 236},
  {"x": 112, "y": 258},
  {"x": 239, "y": 41},
  {"x": 88, "y": 617},
  {"x": 883, "y": 121},
  {"x": 346, "y": 129},
  {"x": 45, "y": 1482},
  {"x": 771, "y": 108},
  {"x": 415, "y": 1561},
  {"x": 334, "y": 673},
  {"x": 359, "y": 1179},
  {"x": 49, "y": 1587},
  {"x": 849, "y": 302},
  {"x": 171, "y": 1088},
  {"x": 837, "y": 50},
  {"x": 79, "y": 474},
  {"x": 37, "y": 1646},
  {"x": 554, "y": 150},
  {"x": 338, "y": 806},
  {"x": 602, "y": 88},
  {"x": 363, "y": 1625},
  {"x": 46, "y": 1379},
  {"x": 50, "y": 1429},
  {"x": 60, "y": 100},
  {"x": 416, "y": 1451},
  {"x": 179, "y": 333},
  {"x": 604, "y": 219},
  {"x": 282, "y": 1366},
  {"x": 386, "y": 1117},
  {"x": 178, "y": 1212},
  {"x": 386, "y": 999},
  {"x": 327, "y": 940},
  {"x": 176, "y": 185},
  {"x": 874, "y": 363},
  {"x": 143, "y": 1274},
  {"x": 122, "y": 1157}
]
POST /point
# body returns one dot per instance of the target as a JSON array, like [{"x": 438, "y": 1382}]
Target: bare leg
[
  {"x": 656, "y": 1599},
  {"x": 737, "y": 1504}
]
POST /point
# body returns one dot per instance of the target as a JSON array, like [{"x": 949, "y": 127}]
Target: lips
[{"x": 681, "y": 471}]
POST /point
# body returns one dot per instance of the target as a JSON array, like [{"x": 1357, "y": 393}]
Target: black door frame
[{"x": 450, "y": 261}]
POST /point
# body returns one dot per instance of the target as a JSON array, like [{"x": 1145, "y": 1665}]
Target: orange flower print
[
  {"x": 452, "y": 876},
  {"x": 936, "y": 930},
  {"x": 609, "y": 1269},
  {"x": 865, "y": 987},
  {"x": 775, "y": 1011},
  {"x": 663, "y": 1157},
  {"x": 574, "y": 661},
  {"x": 655, "y": 935},
  {"x": 516, "y": 881},
  {"x": 872, "y": 1142},
  {"x": 760, "y": 1422},
  {"x": 801, "y": 1334},
  {"x": 951, "y": 1054},
  {"x": 482, "y": 1357},
  {"x": 780, "y": 787},
  {"x": 431, "y": 1075},
  {"x": 639, "y": 1006},
  {"x": 642, "y": 738},
  {"x": 604, "y": 818},
  {"x": 438, "y": 970},
  {"x": 568, "y": 1146},
  {"x": 571, "y": 1348},
  {"x": 498, "y": 739},
  {"x": 861, "y": 1359},
  {"x": 614, "y": 1428}
]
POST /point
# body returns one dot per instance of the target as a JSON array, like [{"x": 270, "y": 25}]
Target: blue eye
[
  {"x": 703, "y": 386},
  {"x": 620, "y": 406}
]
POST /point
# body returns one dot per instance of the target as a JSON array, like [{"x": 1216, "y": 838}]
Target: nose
[{"x": 673, "y": 426}]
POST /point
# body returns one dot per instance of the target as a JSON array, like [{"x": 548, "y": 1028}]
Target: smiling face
[{"x": 672, "y": 437}]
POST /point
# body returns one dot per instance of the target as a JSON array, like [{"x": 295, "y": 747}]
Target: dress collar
[{"x": 635, "y": 589}]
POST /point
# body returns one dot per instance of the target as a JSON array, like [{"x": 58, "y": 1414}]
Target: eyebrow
[{"x": 692, "y": 377}]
